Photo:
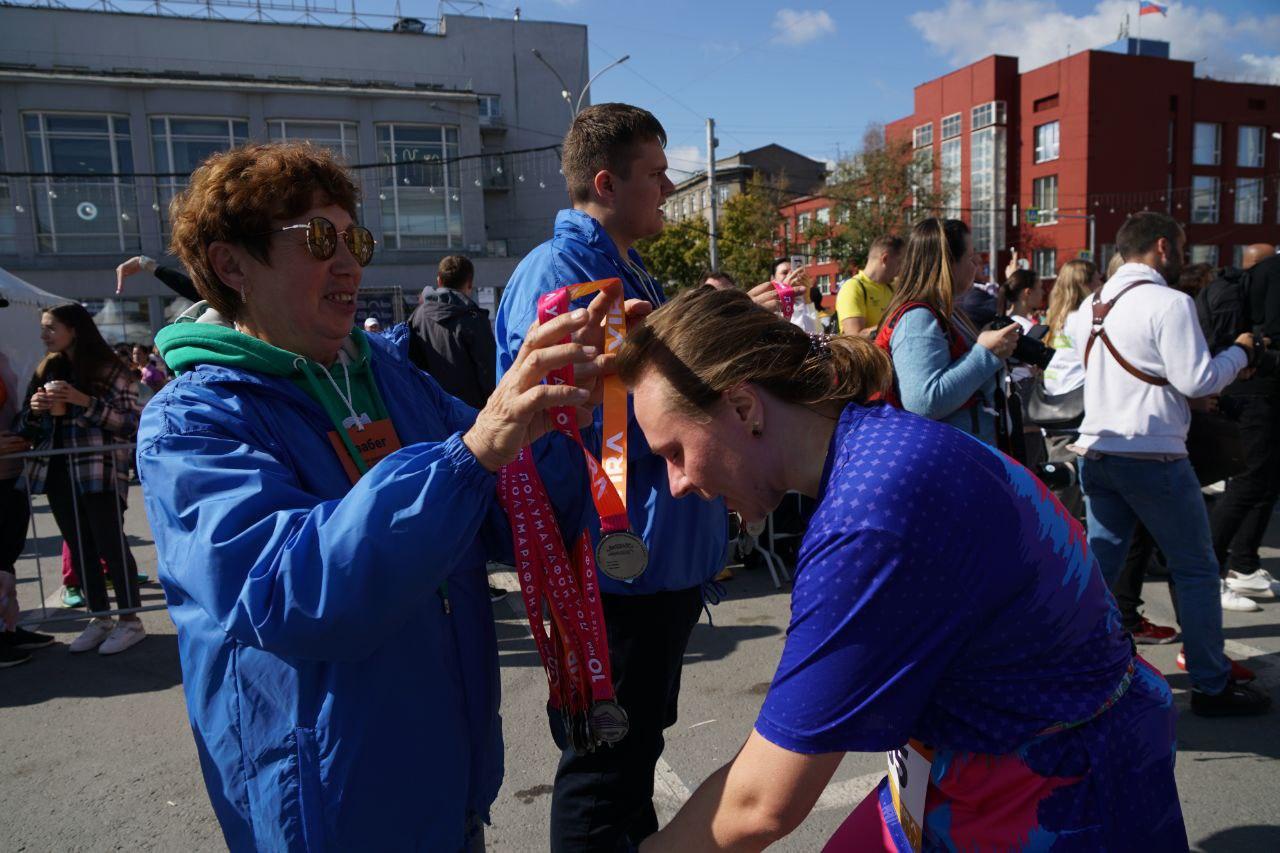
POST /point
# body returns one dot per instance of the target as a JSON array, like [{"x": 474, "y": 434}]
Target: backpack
[
  {"x": 957, "y": 345},
  {"x": 1223, "y": 310}
]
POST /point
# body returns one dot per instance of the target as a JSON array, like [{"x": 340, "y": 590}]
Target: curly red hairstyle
[{"x": 237, "y": 196}]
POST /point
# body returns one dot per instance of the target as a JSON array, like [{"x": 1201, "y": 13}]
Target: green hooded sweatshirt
[{"x": 188, "y": 343}]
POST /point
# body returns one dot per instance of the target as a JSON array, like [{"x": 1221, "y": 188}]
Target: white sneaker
[
  {"x": 1232, "y": 600},
  {"x": 125, "y": 635},
  {"x": 92, "y": 636},
  {"x": 1259, "y": 584}
]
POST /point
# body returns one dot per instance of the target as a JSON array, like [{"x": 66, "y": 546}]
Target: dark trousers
[
  {"x": 15, "y": 514},
  {"x": 603, "y": 801},
  {"x": 1240, "y": 518},
  {"x": 93, "y": 533},
  {"x": 1127, "y": 587}
]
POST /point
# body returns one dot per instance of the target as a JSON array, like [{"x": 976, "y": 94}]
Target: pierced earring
[{"x": 243, "y": 299}]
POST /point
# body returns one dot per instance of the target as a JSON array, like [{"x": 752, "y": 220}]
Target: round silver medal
[
  {"x": 622, "y": 555},
  {"x": 609, "y": 722}
]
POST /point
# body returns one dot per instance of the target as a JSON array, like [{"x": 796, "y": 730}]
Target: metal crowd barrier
[{"x": 87, "y": 562}]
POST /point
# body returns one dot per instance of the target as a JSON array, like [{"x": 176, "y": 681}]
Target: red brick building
[
  {"x": 1093, "y": 137},
  {"x": 797, "y": 217}
]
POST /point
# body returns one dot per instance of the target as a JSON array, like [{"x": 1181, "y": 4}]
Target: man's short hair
[
  {"x": 1141, "y": 231},
  {"x": 455, "y": 272},
  {"x": 890, "y": 243},
  {"x": 605, "y": 137},
  {"x": 773, "y": 267},
  {"x": 720, "y": 276}
]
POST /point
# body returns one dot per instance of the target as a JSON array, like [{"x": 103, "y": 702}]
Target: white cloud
[
  {"x": 684, "y": 160},
  {"x": 1038, "y": 32},
  {"x": 801, "y": 27}
]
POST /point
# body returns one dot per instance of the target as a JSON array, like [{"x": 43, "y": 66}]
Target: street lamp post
[
  {"x": 575, "y": 107},
  {"x": 564, "y": 87}
]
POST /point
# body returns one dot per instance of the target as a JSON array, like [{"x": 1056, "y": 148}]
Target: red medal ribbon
[{"x": 786, "y": 296}]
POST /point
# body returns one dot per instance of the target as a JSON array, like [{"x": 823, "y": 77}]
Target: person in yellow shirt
[{"x": 863, "y": 298}]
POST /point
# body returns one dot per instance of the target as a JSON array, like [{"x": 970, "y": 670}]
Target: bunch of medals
[{"x": 572, "y": 643}]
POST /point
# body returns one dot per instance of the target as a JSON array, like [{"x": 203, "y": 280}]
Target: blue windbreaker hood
[{"x": 687, "y": 537}]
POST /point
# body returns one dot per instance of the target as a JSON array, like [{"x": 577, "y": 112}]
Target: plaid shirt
[{"x": 108, "y": 419}]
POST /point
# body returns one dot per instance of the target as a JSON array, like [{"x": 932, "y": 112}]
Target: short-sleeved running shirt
[
  {"x": 943, "y": 594},
  {"x": 862, "y": 297}
]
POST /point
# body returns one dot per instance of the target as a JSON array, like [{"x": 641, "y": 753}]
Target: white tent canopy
[{"x": 20, "y": 345}]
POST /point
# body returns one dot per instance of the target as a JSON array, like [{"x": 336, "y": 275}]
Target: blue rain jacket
[
  {"x": 686, "y": 537},
  {"x": 335, "y": 704}
]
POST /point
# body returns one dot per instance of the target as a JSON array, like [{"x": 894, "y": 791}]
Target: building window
[
  {"x": 1047, "y": 142},
  {"x": 1106, "y": 252},
  {"x": 1237, "y": 255},
  {"x": 490, "y": 107},
  {"x": 722, "y": 193},
  {"x": 1204, "y": 199},
  {"x": 179, "y": 144},
  {"x": 337, "y": 136},
  {"x": 824, "y": 215},
  {"x": 1250, "y": 147},
  {"x": 1204, "y": 254},
  {"x": 1207, "y": 149},
  {"x": 951, "y": 126},
  {"x": 987, "y": 186},
  {"x": 984, "y": 115},
  {"x": 1045, "y": 262},
  {"x": 1249, "y": 201},
  {"x": 824, "y": 285},
  {"x": 1044, "y": 197},
  {"x": 8, "y": 211},
  {"x": 922, "y": 164},
  {"x": 824, "y": 251},
  {"x": 922, "y": 136},
  {"x": 96, "y": 210},
  {"x": 418, "y": 186},
  {"x": 802, "y": 224},
  {"x": 951, "y": 165}
]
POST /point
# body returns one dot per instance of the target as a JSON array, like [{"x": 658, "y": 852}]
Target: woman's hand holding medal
[{"x": 517, "y": 411}]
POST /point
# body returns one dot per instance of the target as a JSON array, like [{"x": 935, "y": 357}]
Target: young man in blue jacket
[{"x": 616, "y": 174}]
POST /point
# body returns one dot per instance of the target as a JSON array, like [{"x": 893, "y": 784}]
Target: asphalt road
[{"x": 96, "y": 753}]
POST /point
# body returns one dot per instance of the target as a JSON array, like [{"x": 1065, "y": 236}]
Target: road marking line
[
  {"x": 848, "y": 793},
  {"x": 703, "y": 723}
]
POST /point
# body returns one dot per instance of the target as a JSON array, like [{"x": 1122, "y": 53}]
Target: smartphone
[
  {"x": 797, "y": 261},
  {"x": 1024, "y": 264}
]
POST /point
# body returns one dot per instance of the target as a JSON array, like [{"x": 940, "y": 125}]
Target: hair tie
[{"x": 820, "y": 345}]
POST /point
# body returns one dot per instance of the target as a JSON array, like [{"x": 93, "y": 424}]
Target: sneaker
[
  {"x": 127, "y": 633},
  {"x": 12, "y": 655},
  {"x": 21, "y": 638},
  {"x": 1232, "y": 600},
  {"x": 72, "y": 597},
  {"x": 1239, "y": 672},
  {"x": 1259, "y": 584},
  {"x": 92, "y": 636},
  {"x": 496, "y": 593},
  {"x": 1237, "y": 700},
  {"x": 1151, "y": 634}
]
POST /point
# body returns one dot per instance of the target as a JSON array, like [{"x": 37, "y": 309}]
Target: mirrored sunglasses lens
[
  {"x": 360, "y": 242},
  {"x": 322, "y": 238}
]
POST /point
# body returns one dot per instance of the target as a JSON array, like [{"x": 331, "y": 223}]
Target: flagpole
[{"x": 1139, "y": 30}]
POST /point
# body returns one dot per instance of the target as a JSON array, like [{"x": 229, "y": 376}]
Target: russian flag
[{"x": 1150, "y": 7}]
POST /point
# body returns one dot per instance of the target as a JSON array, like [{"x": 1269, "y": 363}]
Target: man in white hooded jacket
[{"x": 1145, "y": 357}]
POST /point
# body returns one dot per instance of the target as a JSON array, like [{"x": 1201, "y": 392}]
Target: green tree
[
  {"x": 882, "y": 189},
  {"x": 748, "y": 233},
  {"x": 679, "y": 255}
]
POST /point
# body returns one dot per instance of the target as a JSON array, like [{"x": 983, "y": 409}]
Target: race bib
[{"x": 909, "y": 769}]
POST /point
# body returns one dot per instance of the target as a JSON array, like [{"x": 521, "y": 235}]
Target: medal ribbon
[
  {"x": 609, "y": 476},
  {"x": 786, "y": 296}
]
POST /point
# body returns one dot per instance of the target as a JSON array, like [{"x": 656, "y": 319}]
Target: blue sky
[{"x": 810, "y": 76}]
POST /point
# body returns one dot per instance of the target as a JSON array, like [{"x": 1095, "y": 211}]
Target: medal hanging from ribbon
[
  {"x": 621, "y": 555},
  {"x": 786, "y": 297},
  {"x": 575, "y": 651}
]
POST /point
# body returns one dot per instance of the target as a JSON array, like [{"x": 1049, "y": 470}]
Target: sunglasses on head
[{"x": 322, "y": 239}]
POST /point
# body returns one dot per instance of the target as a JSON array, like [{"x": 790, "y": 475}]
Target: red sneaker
[
  {"x": 1239, "y": 672},
  {"x": 1151, "y": 634}
]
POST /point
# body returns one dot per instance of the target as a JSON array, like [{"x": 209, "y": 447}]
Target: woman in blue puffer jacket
[{"x": 319, "y": 507}]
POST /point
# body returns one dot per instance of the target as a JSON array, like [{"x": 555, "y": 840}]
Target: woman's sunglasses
[{"x": 322, "y": 239}]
